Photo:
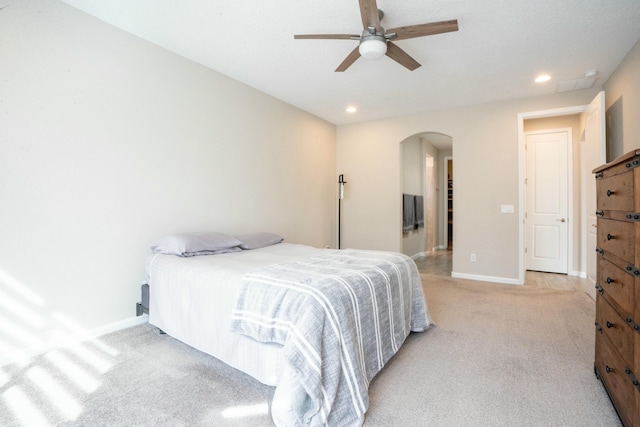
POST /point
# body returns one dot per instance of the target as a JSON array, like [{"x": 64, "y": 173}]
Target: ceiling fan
[{"x": 375, "y": 41}]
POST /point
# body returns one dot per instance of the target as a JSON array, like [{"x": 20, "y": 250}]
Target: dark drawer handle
[
  {"x": 600, "y": 251},
  {"x": 610, "y": 237},
  {"x": 600, "y": 213},
  {"x": 610, "y": 280},
  {"x": 608, "y": 369},
  {"x": 598, "y": 327},
  {"x": 610, "y": 325},
  {"x": 633, "y": 379},
  {"x": 599, "y": 289},
  {"x": 610, "y": 193}
]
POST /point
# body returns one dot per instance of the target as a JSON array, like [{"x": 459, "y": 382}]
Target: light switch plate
[{"x": 506, "y": 208}]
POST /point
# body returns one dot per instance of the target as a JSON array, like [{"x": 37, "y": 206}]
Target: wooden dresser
[{"x": 617, "y": 352}]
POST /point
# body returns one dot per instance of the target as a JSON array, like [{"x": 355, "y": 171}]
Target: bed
[{"x": 317, "y": 324}]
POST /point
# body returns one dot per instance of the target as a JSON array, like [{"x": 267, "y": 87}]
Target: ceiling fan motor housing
[{"x": 372, "y": 45}]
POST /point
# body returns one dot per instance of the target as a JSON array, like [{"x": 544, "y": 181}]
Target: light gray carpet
[{"x": 500, "y": 356}]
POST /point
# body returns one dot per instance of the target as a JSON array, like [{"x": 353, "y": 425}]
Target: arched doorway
[{"x": 425, "y": 174}]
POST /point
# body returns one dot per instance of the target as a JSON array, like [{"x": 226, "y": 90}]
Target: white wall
[
  {"x": 108, "y": 142},
  {"x": 624, "y": 86},
  {"x": 485, "y": 149}
]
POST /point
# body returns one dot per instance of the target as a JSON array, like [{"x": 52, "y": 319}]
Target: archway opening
[{"x": 427, "y": 178}]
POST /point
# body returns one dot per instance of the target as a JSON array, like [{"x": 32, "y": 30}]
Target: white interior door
[
  {"x": 547, "y": 206},
  {"x": 594, "y": 155}
]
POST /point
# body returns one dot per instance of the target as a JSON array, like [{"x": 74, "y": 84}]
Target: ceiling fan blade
[
  {"x": 411, "y": 31},
  {"x": 327, "y": 36},
  {"x": 350, "y": 59},
  {"x": 369, "y": 13},
  {"x": 401, "y": 57}
]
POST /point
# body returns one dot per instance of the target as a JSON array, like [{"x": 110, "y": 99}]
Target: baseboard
[
  {"x": 118, "y": 326},
  {"x": 23, "y": 356},
  {"x": 505, "y": 280},
  {"x": 480, "y": 278},
  {"x": 424, "y": 254},
  {"x": 580, "y": 274}
]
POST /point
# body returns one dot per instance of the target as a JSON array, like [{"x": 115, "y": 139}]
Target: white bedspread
[
  {"x": 340, "y": 316},
  {"x": 192, "y": 299}
]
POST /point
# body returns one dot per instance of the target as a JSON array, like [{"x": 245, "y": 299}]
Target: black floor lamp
[{"x": 341, "y": 182}]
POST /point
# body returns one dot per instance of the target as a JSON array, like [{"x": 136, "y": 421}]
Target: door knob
[{"x": 562, "y": 220}]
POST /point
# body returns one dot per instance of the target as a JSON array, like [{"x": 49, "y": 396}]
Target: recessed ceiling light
[
  {"x": 543, "y": 78},
  {"x": 351, "y": 109}
]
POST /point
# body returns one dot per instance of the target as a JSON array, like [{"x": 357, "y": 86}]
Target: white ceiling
[{"x": 500, "y": 47}]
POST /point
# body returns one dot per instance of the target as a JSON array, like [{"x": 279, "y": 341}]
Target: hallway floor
[{"x": 439, "y": 263}]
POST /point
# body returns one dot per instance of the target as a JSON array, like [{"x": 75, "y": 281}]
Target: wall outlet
[{"x": 472, "y": 257}]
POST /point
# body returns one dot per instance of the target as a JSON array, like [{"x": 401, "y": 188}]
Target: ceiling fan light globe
[{"x": 373, "y": 48}]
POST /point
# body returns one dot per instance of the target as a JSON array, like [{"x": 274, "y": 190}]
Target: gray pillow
[
  {"x": 258, "y": 240},
  {"x": 191, "y": 244}
]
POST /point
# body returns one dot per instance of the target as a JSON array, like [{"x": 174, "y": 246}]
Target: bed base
[{"x": 143, "y": 306}]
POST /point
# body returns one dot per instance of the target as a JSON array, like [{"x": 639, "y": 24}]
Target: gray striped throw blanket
[{"x": 339, "y": 317}]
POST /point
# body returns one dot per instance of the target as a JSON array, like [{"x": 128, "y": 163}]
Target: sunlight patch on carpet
[{"x": 243, "y": 411}]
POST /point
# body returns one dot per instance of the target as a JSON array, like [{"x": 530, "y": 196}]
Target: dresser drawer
[
  {"x": 616, "y": 284},
  {"x": 616, "y": 192},
  {"x": 618, "y": 238},
  {"x": 617, "y": 319},
  {"x": 614, "y": 327},
  {"x": 612, "y": 371}
]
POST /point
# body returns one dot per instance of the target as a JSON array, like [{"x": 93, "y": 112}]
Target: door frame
[
  {"x": 445, "y": 201},
  {"x": 589, "y": 202},
  {"x": 570, "y": 188},
  {"x": 522, "y": 158}
]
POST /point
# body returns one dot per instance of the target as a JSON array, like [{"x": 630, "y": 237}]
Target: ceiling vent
[{"x": 587, "y": 82}]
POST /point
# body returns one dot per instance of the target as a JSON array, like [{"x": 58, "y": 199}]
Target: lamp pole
[{"x": 341, "y": 183}]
